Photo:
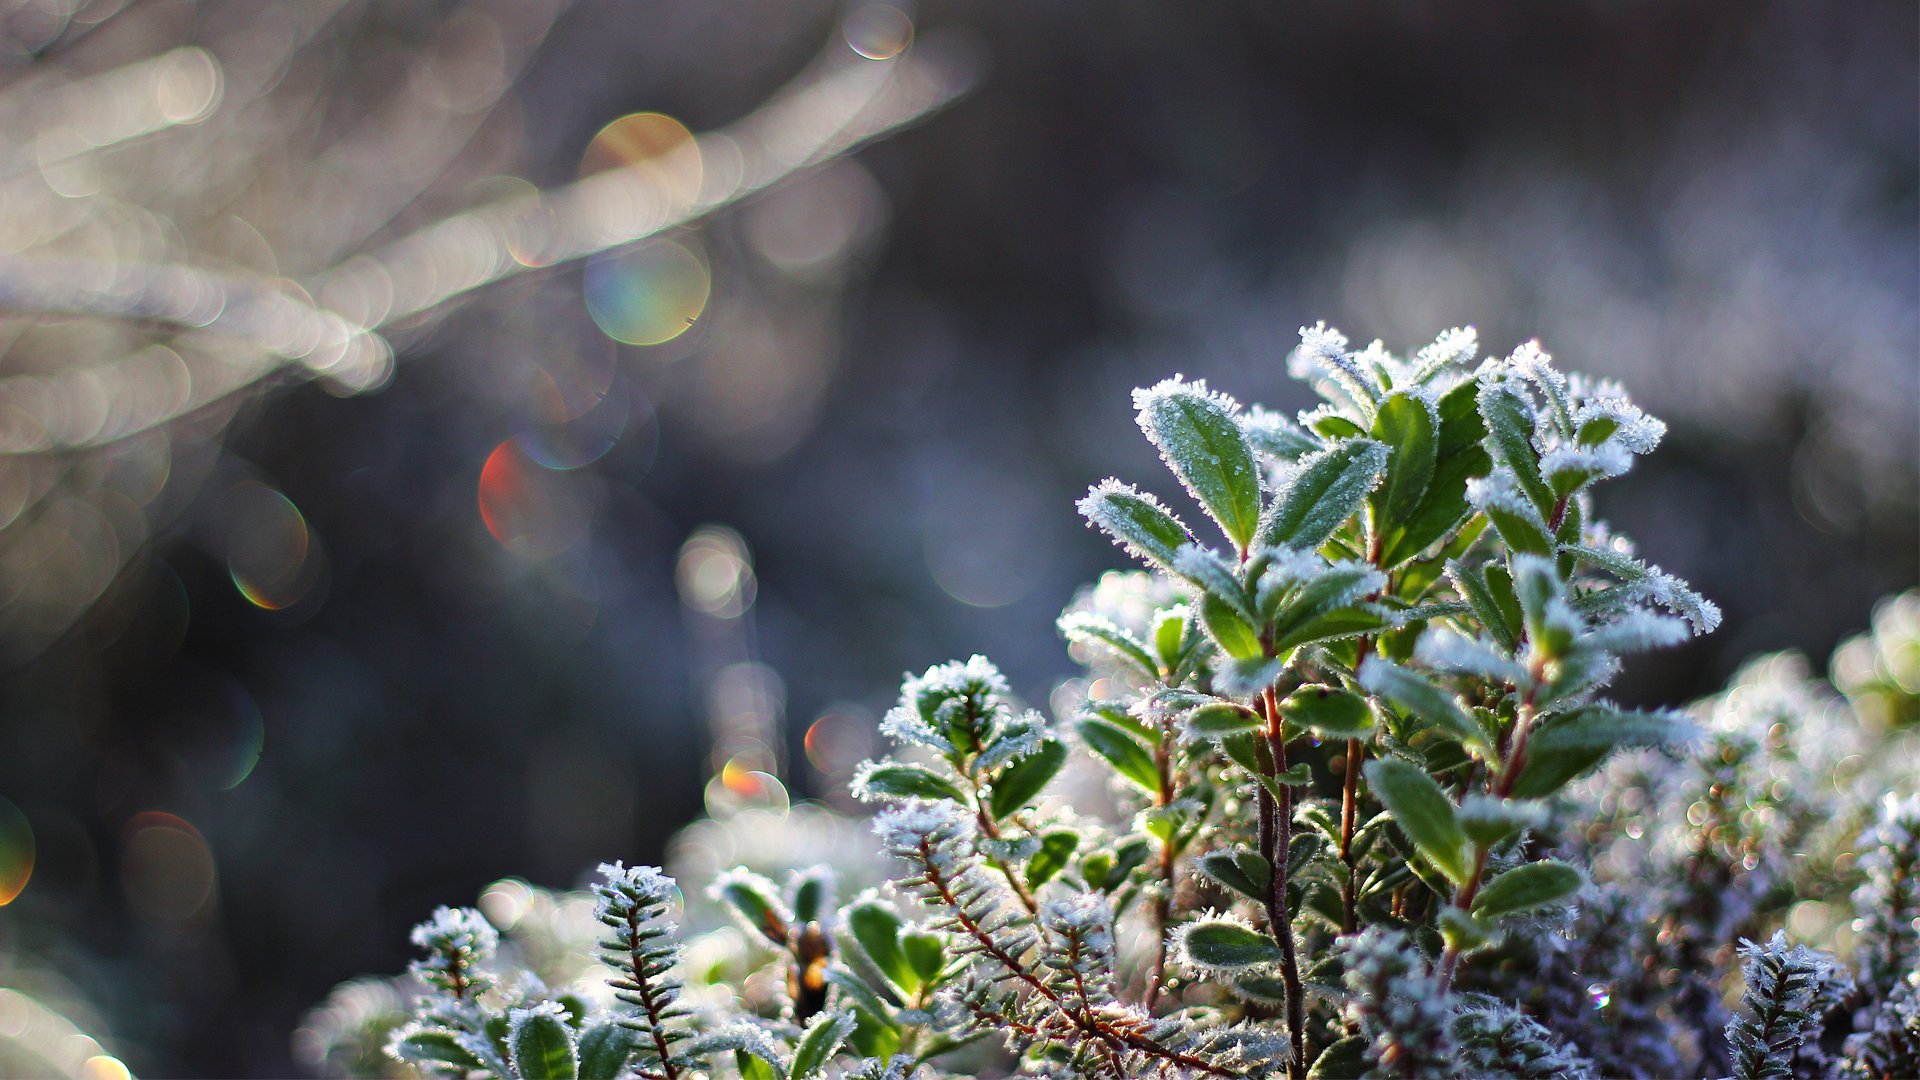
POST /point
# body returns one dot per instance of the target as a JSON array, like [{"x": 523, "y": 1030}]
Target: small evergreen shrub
[{"x": 1370, "y": 812}]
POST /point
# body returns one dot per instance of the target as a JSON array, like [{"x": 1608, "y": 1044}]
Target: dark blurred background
[{"x": 286, "y": 671}]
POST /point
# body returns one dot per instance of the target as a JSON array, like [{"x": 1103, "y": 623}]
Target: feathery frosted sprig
[
  {"x": 1079, "y": 959},
  {"x": 635, "y": 903},
  {"x": 1790, "y": 990},
  {"x": 1398, "y": 1004},
  {"x": 1889, "y": 1043},
  {"x": 457, "y": 941},
  {"x": 1888, "y": 901},
  {"x": 1496, "y": 1040}
]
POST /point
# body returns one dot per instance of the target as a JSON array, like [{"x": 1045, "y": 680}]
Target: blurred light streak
[
  {"x": 16, "y": 852},
  {"x": 30, "y": 1029},
  {"x": 220, "y": 311}
]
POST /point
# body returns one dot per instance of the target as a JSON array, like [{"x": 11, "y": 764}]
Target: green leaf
[
  {"x": 1243, "y": 750},
  {"x": 604, "y": 1051},
  {"x": 1596, "y": 430},
  {"x": 1022, "y": 782},
  {"x": 542, "y": 1046},
  {"x": 1335, "y": 426},
  {"x": 811, "y": 888},
  {"x": 1460, "y": 457},
  {"x": 1526, "y": 888},
  {"x": 1220, "y": 945},
  {"x": 876, "y": 1034},
  {"x": 1056, "y": 851},
  {"x": 1509, "y": 418},
  {"x": 753, "y": 897},
  {"x": 824, "y": 1034},
  {"x": 1421, "y": 698},
  {"x": 877, "y": 928},
  {"x": 1221, "y": 719},
  {"x": 1329, "y": 712},
  {"x": 1204, "y": 445},
  {"x": 1083, "y": 628},
  {"x": 926, "y": 951},
  {"x": 1470, "y": 580},
  {"x": 1409, "y": 426},
  {"x": 1136, "y": 521},
  {"x": 436, "y": 1047},
  {"x": 1344, "y": 1060},
  {"x": 1337, "y": 586},
  {"x": 1423, "y": 812},
  {"x": 1235, "y": 637},
  {"x": 1121, "y": 750},
  {"x": 1329, "y": 488},
  {"x": 1245, "y": 872},
  {"x": 1568, "y": 746},
  {"x": 1461, "y": 931},
  {"x": 752, "y": 1068},
  {"x": 1341, "y": 623},
  {"x": 896, "y": 781},
  {"x": 1520, "y": 528}
]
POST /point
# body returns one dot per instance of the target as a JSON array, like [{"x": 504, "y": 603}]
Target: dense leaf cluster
[{"x": 1375, "y": 814}]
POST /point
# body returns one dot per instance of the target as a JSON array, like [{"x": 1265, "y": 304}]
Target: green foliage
[{"x": 1375, "y": 814}]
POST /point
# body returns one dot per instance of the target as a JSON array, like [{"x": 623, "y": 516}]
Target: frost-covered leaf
[
  {"x": 1328, "y": 711},
  {"x": 542, "y": 1044},
  {"x": 1245, "y": 872},
  {"x": 605, "y": 1049},
  {"x": 1328, "y": 488},
  {"x": 1223, "y": 945},
  {"x": 434, "y": 1048},
  {"x": 1423, "y": 812},
  {"x": 1136, "y": 521},
  {"x": 876, "y": 927},
  {"x": 892, "y": 780},
  {"x": 1086, "y": 628},
  {"x": 823, "y": 1036},
  {"x": 1408, "y": 425},
  {"x": 1220, "y": 719},
  {"x": 1020, "y": 783},
  {"x": 1122, "y": 750},
  {"x": 1459, "y": 457},
  {"x": 1199, "y": 435},
  {"x": 1057, "y": 847},
  {"x": 1509, "y": 417},
  {"x": 1527, "y": 888},
  {"x": 1421, "y": 698}
]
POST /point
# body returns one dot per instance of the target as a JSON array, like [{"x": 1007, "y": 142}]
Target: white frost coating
[
  {"x": 630, "y": 885},
  {"x": 1639, "y": 631},
  {"x": 975, "y": 675},
  {"x": 1146, "y": 398},
  {"x": 903, "y": 725},
  {"x": 740, "y": 875},
  {"x": 1605, "y": 460},
  {"x": 1099, "y": 513},
  {"x": 1324, "y": 348},
  {"x": 1014, "y": 740},
  {"x": 1498, "y": 489},
  {"x": 453, "y": 928},
  {"x": 1638, "y": 433},
  {"x": 1179, "y": 947},
  {"x": 1453, "y": 348},
  {"x": 939, "y": 826},
  {"x": 1448, "y": 650}
]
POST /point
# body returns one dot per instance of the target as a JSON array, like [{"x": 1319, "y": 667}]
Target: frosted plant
[
  {"x": 1376, "y": 814},
  {"x": 1789, "y": 992}
]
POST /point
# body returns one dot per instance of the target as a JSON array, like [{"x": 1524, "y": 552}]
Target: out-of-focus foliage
[{"x": 1374, "y": 817}]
